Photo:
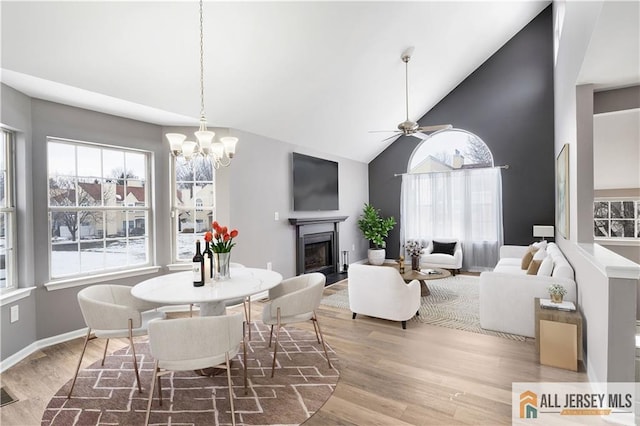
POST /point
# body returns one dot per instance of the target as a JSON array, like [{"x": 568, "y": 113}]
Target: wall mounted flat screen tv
[{"x": 315, "y": 183}]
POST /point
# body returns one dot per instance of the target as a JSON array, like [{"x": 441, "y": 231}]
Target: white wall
[
  {"x": 616, "y": 146},
  {"x": 606, "y": 282}
]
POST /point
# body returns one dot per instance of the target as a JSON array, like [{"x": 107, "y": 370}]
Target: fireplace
[
  {"x": 317, "y": 244},
  {"x": 318, "y": 253}
]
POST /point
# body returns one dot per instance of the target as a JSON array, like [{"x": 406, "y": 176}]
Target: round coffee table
[{"x": 423, "y": 276}]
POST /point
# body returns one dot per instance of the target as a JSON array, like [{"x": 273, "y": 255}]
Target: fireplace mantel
[
  {"x": 306, "y": 228},
  {"x": 300, "y": 221}
]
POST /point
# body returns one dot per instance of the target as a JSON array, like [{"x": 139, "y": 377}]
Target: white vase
[{"x": 376, "y": 256}]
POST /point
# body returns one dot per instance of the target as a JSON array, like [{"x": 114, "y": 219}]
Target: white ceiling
[{"x": 316, "y": 74}]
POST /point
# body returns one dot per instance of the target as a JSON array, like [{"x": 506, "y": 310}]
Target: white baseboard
[{"x": 23, "y": 353}]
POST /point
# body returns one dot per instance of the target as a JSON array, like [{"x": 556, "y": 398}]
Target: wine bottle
[
  {"x": 208, "y": 262},
  {"x": 198, "y": 267}
]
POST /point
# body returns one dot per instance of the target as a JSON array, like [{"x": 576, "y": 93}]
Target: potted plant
[
  {"x": 557, "y": 292},
  {"x": 375, "y": 228}
]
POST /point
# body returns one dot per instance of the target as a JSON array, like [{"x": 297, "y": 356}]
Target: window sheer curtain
[{"x": 463, "y": 204}]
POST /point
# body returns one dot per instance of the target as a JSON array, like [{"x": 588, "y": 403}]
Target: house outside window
[
  {"x": 616, "y": 218},
  {"x": 99, "y": 208},
  {"x": 8, "y": 279},
  {"x": 193, "y": 204}
]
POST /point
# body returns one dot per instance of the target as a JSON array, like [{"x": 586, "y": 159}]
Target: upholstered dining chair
[
  {"x": 110, "y": 311},
  {"x": 295, "y": 300},
  {"x": 195, "y": 343}
]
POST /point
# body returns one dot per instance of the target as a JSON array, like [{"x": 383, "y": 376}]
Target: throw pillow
[
  {"x": 540, "y": 255},
  {"x": 533, "y": 267},
  {"x": 540, "y": 244},
  {"x": 527, "y": 258},
  {"x": 445, "y": 248},
  {"x": 546, "y": 267}
]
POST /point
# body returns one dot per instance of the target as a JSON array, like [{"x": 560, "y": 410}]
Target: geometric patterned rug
[
  {"x": 108, "y": 395},
  {"x": 453, "y": 303}
]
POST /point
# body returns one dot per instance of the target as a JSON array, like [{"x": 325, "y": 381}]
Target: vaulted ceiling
[{"x": 316, "y": 74}]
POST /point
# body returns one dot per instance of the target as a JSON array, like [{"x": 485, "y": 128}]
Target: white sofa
[
  {"x": 507, "y": 293},
  {"x": 380, "y": 291},
  {"x": 429, "y": 259}
]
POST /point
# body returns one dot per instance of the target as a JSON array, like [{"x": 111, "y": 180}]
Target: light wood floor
[{"x": 424, "y": 375}]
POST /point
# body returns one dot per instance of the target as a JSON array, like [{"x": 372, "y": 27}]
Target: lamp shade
[
  {"x": 543, "y": 231},
  {"x": 229, "y": 143},
  {"x": 175, "y": 141}
]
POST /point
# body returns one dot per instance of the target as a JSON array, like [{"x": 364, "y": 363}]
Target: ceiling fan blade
[
  {"x": 383, "y": 131},
  {"x": 392, "y": 136},
  {"x": 434, "y": 128}
]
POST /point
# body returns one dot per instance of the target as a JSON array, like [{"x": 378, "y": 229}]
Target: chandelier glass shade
[{"x": 220, "y": 152}]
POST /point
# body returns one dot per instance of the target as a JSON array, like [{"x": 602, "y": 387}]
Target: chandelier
[{"x": 220, "y": 152}]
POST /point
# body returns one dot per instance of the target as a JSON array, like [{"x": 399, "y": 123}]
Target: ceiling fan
[{"x": 408, "y": 127}]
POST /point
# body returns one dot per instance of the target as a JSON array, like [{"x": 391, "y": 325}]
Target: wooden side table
[{"x": 558, "y": 337}]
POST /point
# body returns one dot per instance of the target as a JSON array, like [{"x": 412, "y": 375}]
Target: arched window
[
  {"x": 453, "y": 191},
  {"x": 448, "y": 150}
]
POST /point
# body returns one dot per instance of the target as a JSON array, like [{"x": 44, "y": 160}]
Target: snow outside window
[
  {"x": 193, "y": 204},
  {"x": 99, "y": 208}
]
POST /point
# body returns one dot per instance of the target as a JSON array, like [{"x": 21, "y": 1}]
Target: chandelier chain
[{"x": 202, "y": 116}]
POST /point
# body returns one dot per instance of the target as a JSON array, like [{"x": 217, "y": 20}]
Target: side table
[{"x": 558, "y": 337}]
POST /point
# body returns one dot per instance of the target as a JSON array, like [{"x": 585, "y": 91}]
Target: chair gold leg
[
  {"x": 190, "y": 310},
  {"x": 244, "y": 360},
  {"x": 73, "y": 383},
  {"x": 275, "y": 346},
  {"x": 104, "y": 354},
  {"x": 233, "y": 413},
  {"x": 247, "y": 313},
  {"x": 270, "y": 335},
  {"x": 153, "y": 381},
  {"x": 315, "y": 328},
  {"x": 133, "y": 349},
  {"x": 324, "y": 346}
]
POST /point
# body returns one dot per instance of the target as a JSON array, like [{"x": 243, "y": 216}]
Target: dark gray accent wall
[{"x": 507, "y": 102}]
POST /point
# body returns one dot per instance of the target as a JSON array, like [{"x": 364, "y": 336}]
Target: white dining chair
[
  {"x": 195, "y": 343},
  {"x": 110, "y": 311},
  {"x": 292, "y": 301}
]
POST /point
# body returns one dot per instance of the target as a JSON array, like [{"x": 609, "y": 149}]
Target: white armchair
[
  {"x": 195, "y": 343},
  {"x": 380, "y": 291},
  {"x": 295, "y": 300},
  {"x": 443, "y": 260},
  {"x": 110, "y": 310}
]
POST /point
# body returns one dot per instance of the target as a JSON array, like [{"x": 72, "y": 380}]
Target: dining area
[{"x": 196, "y": 355}]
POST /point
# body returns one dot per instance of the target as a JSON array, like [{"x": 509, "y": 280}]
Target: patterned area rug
[
  {"x": 109, "y": 395},
  {"x": 453, "y": 303}
]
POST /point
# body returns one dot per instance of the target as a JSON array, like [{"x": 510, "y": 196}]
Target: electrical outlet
[
  {"x": 269, "y": 266},
  {"x": 353, "y": 247},
  {"x": 276, "y": 216},
  {"x": 15, "y": 311}
]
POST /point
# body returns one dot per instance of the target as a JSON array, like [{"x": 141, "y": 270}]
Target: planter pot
[
  {"x": 376, "y": 256},
  {"x": 556, "y": 298}
]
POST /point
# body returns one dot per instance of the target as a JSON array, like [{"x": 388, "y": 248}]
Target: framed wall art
[{"x": 562, "y": 192}]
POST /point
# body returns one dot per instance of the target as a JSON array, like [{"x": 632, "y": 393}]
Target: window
[
  {"x": 193, "y": 204},
  {"x": 616, "y": 218},
  {"x": 452, "y": 190},
  {"x": 99, "y": 208},
  {"x": 7, "y": 214}
]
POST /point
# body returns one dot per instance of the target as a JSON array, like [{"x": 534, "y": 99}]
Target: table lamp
[{"x": 543, "y": 231}]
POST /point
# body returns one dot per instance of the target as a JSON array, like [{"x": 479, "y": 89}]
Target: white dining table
[{"x": 178, "y": 289}]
